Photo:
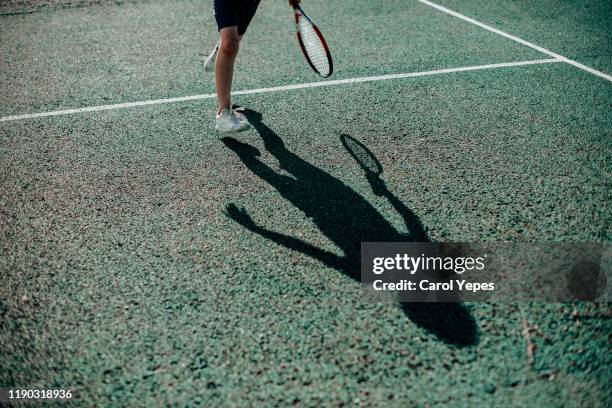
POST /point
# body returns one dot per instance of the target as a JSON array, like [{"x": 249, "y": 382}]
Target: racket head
[
  {"x": 362, "y": 155},
  {"x": 313, "y": 44}
]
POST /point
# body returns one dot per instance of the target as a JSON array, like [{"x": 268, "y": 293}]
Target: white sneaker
[
  {"x": 231, "y": 121},
  {"x": 238, "y": 112},
  {"x": 209, "y": 64}
]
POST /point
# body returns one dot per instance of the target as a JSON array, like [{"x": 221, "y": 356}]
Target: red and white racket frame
[{"x": 298, "y": 12}]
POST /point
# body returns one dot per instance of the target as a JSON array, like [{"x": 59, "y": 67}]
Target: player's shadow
[{"x": 347, "y": 219}]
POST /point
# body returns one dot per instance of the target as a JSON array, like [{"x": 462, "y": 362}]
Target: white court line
[
  {"x": 518, "y": 40},
  {"x": 275, "y": 89}
]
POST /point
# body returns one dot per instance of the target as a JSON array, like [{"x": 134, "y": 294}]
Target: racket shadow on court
[{"x": 346, "y": 218}]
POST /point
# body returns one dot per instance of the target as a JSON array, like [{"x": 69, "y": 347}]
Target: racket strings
[{"x": 314, "y": 47}]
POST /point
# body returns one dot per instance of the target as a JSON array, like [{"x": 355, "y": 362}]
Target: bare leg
[{"x": 224, "y": 66}]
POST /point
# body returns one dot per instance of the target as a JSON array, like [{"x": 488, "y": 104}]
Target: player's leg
[
  {"x": 226, "y": 15},
  {"x": 227, "y": 120},
  {"x": 224, "y": 66},
  {"x": 209, "y": 63},
  {"x": 244, "y": 16}
]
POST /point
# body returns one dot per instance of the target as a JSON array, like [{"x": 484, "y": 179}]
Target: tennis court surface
[{"x": 147, "y": 261}]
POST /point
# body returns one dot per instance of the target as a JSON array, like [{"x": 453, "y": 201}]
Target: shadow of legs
[
  {"x": 450, "y": 322},
  {"x": 345, "y": 218}
]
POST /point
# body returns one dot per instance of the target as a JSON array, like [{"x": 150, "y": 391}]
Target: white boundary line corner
[{"x": 517, "y": 39}]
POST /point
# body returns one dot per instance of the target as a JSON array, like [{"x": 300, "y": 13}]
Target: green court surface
[{"x": 148, "y": 261}]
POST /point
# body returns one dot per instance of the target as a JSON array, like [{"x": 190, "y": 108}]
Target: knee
[{"x": 230, "y": 44}]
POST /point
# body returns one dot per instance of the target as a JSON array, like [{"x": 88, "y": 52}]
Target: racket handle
[{"x": 294, "y": 3}]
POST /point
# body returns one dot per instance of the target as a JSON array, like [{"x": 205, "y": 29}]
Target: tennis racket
[{"x": 312, "y": 43}]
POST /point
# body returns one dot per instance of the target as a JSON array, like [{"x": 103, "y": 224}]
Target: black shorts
[{"x": 229, "y": 13}]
